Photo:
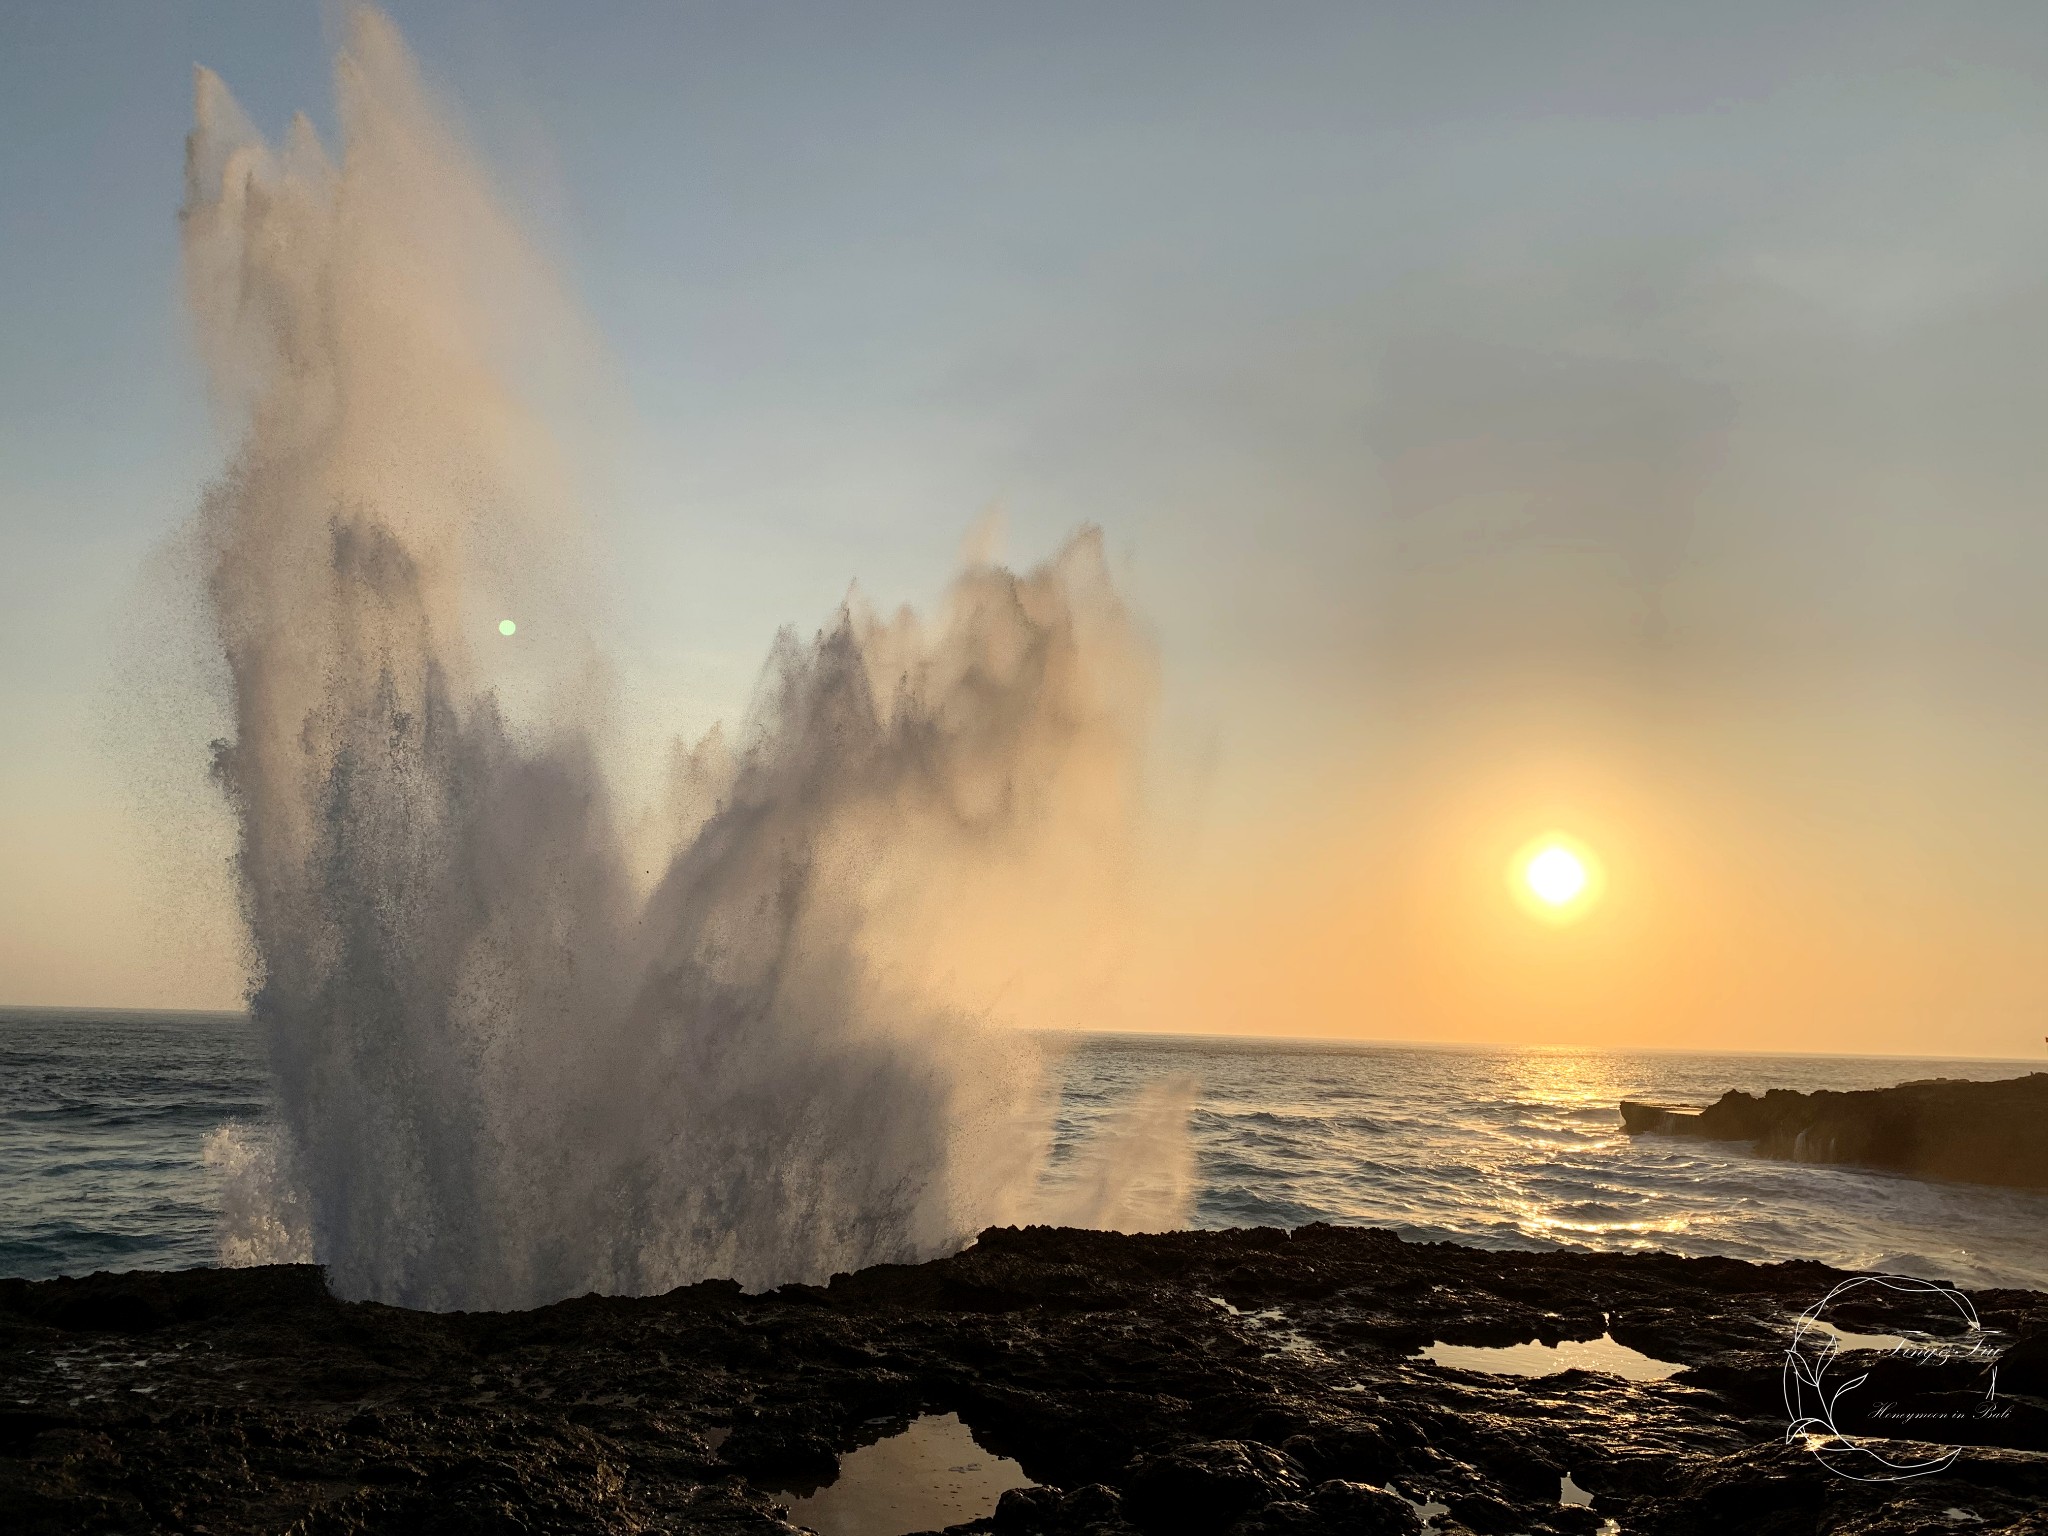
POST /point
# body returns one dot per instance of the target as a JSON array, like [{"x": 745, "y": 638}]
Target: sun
[
  {"x": 1556, "y": 875},
  {"x": 1555, "y": 878}
]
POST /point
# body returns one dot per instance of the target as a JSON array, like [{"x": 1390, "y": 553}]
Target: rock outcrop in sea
[
  {"x": 1940, "y": 1128},
  {"x": 1245, "y": 1383}
]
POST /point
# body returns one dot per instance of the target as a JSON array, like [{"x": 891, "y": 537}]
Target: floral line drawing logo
[{"x": 1813, "y": 1402}]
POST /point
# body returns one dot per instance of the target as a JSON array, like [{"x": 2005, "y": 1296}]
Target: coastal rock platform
[
  {"x": 1939, "y": 1128},
  {"x": 1244, "y": 1383}
]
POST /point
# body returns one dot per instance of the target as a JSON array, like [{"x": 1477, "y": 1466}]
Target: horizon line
[{"x": 1338, "y": 1041}]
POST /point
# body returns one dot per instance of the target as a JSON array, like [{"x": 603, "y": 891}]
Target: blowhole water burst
[{"x": 505, "y": 1071}]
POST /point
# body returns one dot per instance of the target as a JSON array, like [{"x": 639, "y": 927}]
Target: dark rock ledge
[
  {"x": 249, "y": 1400},
  {"x": 1940, "y": 1128}
]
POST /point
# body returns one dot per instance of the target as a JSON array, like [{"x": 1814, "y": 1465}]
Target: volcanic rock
[{"x": 1248, "y": 1383}]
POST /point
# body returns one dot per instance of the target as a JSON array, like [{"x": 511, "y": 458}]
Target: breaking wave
[{"x": 509, "y": 1064}]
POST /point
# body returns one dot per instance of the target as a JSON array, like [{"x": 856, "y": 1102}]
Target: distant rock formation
[{"x": 1938, "y": 1128}]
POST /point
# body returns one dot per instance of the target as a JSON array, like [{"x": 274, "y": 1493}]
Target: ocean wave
[{"x": 1441, "y": 1147}]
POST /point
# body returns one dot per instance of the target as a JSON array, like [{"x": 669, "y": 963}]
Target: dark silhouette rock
[
  {"x": 1257, "y": 1383},
  {"x": 1336, "y": 1509},
  {"x": 2023, "y": 1365},
  {"x": 1943, "y": 1128},
  {"x": 1204, "y": 1487},
  {"x": 1092, "y": 1510}
]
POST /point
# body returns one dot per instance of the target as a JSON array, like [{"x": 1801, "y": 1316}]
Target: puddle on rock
[
  {"x": 1845, "y": 1340},
  {"x": 1569, "y": 1492},
  {"x": 930, "y": 1476},
  {"x": 1276, "y": 1328},
  {"x": 1426, "y": 1510},
  {"x": 1971, "y": 1344},
  {"x": 1538, "y": 1359}
]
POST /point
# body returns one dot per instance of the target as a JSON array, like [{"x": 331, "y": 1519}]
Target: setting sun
[{"x": 1555, "y": 878}]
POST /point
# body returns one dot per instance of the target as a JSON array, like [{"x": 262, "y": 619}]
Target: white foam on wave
[{"x": 262, "y": 1217}]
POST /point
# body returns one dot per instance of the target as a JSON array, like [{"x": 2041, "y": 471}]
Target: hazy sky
[{"x": 1622, "y": 418}]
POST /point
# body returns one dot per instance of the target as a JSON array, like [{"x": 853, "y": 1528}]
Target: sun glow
[
  {"x": 1555, "y": 878},
  {"x": 1555, "y": 875}
]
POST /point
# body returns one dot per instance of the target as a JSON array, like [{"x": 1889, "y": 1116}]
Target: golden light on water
[{"x": 1556, "y": 878}]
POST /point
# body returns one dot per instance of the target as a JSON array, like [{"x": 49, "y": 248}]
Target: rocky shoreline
[
  {"x": 1257, "y": 1383},
  {"x": 1940, "y": 1128}
]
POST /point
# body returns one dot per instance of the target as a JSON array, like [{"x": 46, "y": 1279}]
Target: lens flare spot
[{"x": 507, "y": 627}]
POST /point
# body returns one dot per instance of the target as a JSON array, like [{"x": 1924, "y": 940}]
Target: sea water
[{"x": 104, "y": 1120}]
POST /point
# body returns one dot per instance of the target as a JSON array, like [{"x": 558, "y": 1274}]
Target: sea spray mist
[{"x": 506, "y": 1070}]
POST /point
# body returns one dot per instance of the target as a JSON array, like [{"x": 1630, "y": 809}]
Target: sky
[{"x": 1617, "y": 419}]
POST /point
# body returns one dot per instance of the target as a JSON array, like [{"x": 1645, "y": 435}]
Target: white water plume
[{"x": 506, "y": 1072}]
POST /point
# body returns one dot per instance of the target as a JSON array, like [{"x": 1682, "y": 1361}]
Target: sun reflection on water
[{"x": 1523, "y": 1148}]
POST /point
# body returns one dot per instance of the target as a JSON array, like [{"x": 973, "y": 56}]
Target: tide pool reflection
[
  {"x": 930, "y": 1476},
  {"x": 1539, "y": 1359}
]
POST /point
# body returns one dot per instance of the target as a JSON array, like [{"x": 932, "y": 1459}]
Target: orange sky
[
  {"x": 1742, "y": 908},
  {"x": 1629, "y": 433},
  {"x": 1735, "y": 915}
]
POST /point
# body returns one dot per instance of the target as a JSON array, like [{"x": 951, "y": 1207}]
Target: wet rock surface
[
  {"x": 1252, "y": 1383},
  {"x": 1942, "y": 1128}
]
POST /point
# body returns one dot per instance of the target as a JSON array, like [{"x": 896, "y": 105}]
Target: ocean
[{"x": 104, "y": 1117}]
